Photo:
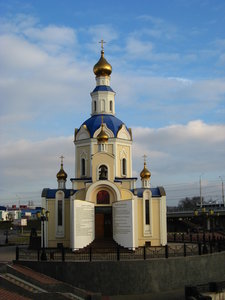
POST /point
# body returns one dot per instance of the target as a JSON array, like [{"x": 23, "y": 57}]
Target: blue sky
[{"x": 168, "y": 60}]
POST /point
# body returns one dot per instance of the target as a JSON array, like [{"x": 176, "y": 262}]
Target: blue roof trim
[
  {"x": 95, "y": 122},
  {"x": 139, "y": 192},
  {"x": 103, "y": 88},
  {"x": 50, "y": 193}
]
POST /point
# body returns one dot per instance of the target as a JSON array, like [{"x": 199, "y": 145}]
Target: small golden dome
[
  {"x": 102, "y": 136},
  {"x": 61, "y": 175},
  {"x": 102, "y": 68},
  {"x": 145, "y": 173}
]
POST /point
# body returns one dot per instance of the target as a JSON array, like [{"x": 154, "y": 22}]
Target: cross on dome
[
  {"x": 62, "y": 159},
  {"x": 145, "y": 157},
  {"x": 102, "y": 42}
]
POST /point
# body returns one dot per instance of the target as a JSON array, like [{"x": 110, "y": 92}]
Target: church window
[
  {"x": 110, "y": 105},
  {"x": 103, "y": 105},
  {"x": 103, "y": 197},
  {"x": 124, "y": 166},
  {"x": 147, "y": 220},
  {"x": 83, "y": 167},
  {"x": 103, "y": 172},
  {"x": 95, "y": 106},
  {"x": 59, "y": 212}
]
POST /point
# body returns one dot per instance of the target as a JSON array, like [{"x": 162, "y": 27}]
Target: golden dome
[
  {"x": 102, "y": 136},
  {"x": 102, "y": 68},
  {"x": 61, "y": 175},
  {"x": 145, "y": 173}
]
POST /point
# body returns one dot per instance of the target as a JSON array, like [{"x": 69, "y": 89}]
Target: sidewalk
[{"x": 7, "y": 253}]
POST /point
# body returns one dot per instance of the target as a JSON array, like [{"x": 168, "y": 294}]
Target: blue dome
[
  {"x": 95, "y": 122},
  {"x": 103, "y": 88}
]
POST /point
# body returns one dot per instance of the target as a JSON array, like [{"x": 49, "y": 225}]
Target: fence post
[
  {"x": 63, "y": 254},
  {"x": 90, "y": 254},
  {"x": 199, "y": 248},
  {"x": 17, "y": 253},
  {"x": 185, "y": 250},
  {"x": 191, "y": 237},
  {"x": 38, "y": 254},
  {"x": 174, "y": 237},
  {"x": 118, "y": 253},
  {"x": 144, "y": 249},
  {"x": 166, "y": 251},
  {"x": 182, "y": 237}
]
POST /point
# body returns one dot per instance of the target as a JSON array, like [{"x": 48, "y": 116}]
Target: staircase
[
  {"x": 108, "y": 243},
  {"x": 28, "y": 284}
]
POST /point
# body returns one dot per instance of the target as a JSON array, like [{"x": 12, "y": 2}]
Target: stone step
[
  {"x": 27, "y": 290},
  {"x": 9, "y": 295},
  {"x": 22, "y": 283},
  {"x": 48, "y": 284}
]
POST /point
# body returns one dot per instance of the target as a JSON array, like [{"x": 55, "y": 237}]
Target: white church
[{"x": 103, "y": 202}]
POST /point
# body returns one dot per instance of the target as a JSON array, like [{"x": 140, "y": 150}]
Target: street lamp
[
  {"x": 222, "y": 190},
  {"x": 43, "y": 216}
]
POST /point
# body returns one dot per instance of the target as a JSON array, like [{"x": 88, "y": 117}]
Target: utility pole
[
  {"x": 200, "y": 182},
  {"x": 222, "y": 191}
]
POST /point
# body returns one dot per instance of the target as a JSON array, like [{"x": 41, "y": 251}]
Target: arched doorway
[{"x": 103, "y": 216}]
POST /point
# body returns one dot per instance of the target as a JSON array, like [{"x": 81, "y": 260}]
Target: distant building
[{"x": 103, "y": 202}]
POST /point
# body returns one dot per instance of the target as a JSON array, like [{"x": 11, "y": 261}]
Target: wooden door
[{"x": 99, "y": 225}]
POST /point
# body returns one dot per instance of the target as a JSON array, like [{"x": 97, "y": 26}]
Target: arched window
[
  {"x": 124, "y": 166},
  {"x": 147, "y": 219},
  {"x": 83, "y": 173},
  {"x": 59, "y": 212},
  {"x": 103, "y": 197},
  {"x": 103, "y": 172},
  {"x": 110, "y": 105},
  {"x": 95, "y": 106},
  {"x": 103, "y": 105}
]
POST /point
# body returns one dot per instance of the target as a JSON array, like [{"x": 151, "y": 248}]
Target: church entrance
[{"x": 103, "y": 222}]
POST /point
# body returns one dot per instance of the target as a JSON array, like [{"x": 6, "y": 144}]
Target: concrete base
[{"x": 136, "y": 277}]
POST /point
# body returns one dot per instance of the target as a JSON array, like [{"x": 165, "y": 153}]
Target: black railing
[{"x": 121, "y": 254}]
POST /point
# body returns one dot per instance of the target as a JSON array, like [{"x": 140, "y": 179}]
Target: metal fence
[{"x": 121, "y": 254}]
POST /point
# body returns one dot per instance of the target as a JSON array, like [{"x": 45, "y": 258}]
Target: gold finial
[
  {"x": 145, "y": 173},
  {"x": 102, "y": 136},
  {"x": 102, "y": 42},
  {"x": 61, "y": 174},
  {"x": 102, "y": 68}
]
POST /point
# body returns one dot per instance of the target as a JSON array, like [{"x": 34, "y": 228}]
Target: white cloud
[
  {"x": 17, "y": 24},
  {"x": 159, "y": 28},
  {"x": 136, "y": 47},
  {"x": 16, "y": 53},
  {"x": 183, "y": 150},
  {"x": 52, "y": 34}
]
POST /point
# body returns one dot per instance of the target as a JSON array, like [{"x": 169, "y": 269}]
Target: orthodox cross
[
  {"x": 61, "y": 159},
  {"x": 102, "y": 42},
  {"x": 144, "y": 156}
]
